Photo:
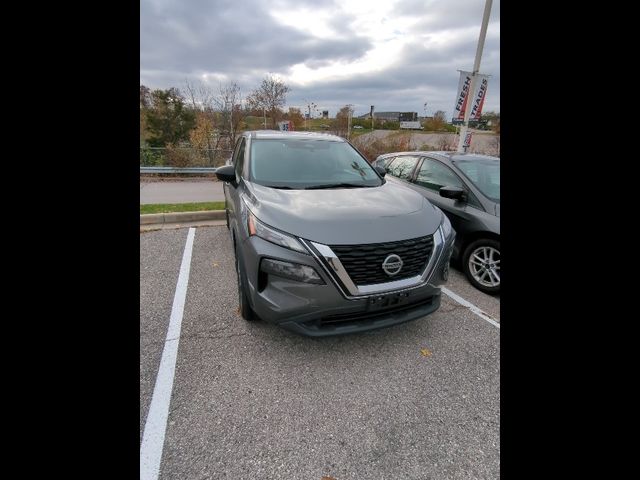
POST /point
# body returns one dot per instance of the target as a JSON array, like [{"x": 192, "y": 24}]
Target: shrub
[
  {"x": 178, "y": 157},
  {"x": 150, "y": 158},
  {"x": 425, "y": 147},
  {"x": 371, "y": 147}
]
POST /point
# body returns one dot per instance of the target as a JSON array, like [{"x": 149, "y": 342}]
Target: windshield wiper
[
  {"x": 335, "y": 185},
  {"x": 282, "y": 187}
]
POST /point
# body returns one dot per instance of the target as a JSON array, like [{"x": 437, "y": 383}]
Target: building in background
[{"x": 383, "y": 116}]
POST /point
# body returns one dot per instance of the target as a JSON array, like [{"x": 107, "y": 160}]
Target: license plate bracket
[{"x": 389, "y": 300}]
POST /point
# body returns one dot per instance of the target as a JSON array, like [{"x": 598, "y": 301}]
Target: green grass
[{"x": 180, "y": 207}]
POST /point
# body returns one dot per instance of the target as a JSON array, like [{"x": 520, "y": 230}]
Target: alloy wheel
[{"x": 484, "y": 265}]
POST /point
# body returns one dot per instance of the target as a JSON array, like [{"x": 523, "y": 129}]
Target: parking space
[
  {"x": 250, "y": 400},
  {"x": 160, "y": 257}
]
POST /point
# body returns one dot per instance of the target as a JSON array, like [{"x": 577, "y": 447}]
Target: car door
[{"x": 432, "y": 174}]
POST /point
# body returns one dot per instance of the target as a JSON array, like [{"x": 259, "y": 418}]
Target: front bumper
[{"x": 324, "y": 310}]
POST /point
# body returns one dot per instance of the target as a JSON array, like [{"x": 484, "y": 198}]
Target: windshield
[
  {"x": 300, "y": 163},
  {"x": 484, "y": 174}
]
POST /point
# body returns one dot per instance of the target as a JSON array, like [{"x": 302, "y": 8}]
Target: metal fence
[{"x": 183, "y": 157}]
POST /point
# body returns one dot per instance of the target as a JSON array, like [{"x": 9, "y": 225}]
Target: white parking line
[
  {"x": 470, "y": 306},
  {"x": 155, "y": 428}
]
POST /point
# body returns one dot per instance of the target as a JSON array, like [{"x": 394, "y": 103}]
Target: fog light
[{"x": 293, "y": 271}]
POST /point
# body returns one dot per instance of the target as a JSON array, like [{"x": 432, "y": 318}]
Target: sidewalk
[{"x": 201, "y": 190}]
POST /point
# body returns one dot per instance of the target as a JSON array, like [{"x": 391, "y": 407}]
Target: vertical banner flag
[
  {"x": 464, "y": 85},
  {"x": 467, "y": 140}
]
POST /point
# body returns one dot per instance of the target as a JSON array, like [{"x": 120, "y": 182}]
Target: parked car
[
  {"x": 467, "y": 188},
  {"x": 358, "y": 127},
  {"x": 323, "y": 244}
]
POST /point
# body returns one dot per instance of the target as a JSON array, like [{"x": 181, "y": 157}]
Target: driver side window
[
  {"x": 433, "y": 175},
  {"x": 238, "y": 158}
]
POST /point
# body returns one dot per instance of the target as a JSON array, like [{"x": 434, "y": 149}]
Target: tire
[
  {"x": 226, "y": 214},
  {"x": 244, "y": 307},
  {"x": 481, "y": 265}
]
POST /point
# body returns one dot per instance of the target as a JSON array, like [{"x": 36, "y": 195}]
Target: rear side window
[
  {"x": 402, "y": 167},
  {"x": 385, "y": 162}
]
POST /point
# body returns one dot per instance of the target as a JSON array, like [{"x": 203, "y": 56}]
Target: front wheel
[{"x": 481, "y": 265}]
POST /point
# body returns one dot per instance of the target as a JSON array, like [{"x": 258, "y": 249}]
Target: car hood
[{"x": 345, "y": 216}]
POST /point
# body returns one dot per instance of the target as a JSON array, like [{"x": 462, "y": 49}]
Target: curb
[{"x": 180, "y": 217}]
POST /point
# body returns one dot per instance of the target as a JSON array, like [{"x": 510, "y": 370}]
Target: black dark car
[{"x": 466, "y": 187}]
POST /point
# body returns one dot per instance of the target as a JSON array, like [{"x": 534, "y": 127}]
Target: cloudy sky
[{"x": 394, "y": 54}]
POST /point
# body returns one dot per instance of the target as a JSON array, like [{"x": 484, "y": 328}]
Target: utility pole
[
  {"x": 309, "y": 105},
  {"x": 476, "y": 68},
  {"x": 371, "y": 115}
]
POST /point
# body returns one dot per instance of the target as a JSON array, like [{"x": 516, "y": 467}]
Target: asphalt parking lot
[{"x": 251, "y": 401}]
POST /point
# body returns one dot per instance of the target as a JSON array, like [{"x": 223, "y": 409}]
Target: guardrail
[{"x": 178, "y": 170}]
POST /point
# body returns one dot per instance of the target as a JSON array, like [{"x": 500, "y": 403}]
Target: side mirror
[
  {"x": 456, "y": 193},
  {"x": 226, "y": 174},
  {"x": 381, "y": 170}
]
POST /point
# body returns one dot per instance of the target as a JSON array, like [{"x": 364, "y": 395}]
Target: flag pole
[{"x": 472, "y": 87}]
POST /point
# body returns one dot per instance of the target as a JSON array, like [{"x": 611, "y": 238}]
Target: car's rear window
[{"x": 303, "y": 163}]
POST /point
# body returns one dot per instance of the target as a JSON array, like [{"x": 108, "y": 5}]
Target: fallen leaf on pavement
[{"x": 425, "y": 352}]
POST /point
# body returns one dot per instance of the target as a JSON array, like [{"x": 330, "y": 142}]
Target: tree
[
  {"x": 437, "y": 122},
  {"x": 203, "y": 134},
  {"x": 341, "y": 123},
  {"x": 296, "y": 117},
  {"x": 493, "y": 119},
  {"x": 145, "y": 97},
  {"x": 271, "y": 95},
  {"x": 168, "y": 120},
  {"x": 199, "y": 96},
  {"x": 228, "y": 102}
]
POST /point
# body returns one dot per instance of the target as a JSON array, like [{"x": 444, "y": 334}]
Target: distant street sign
[{"x": 285, "y": 126}]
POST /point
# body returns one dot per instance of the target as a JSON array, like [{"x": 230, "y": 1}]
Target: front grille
[{"x": 364, "y": 262}]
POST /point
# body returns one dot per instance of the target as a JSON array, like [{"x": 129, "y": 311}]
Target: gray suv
[{"x": 323, "y": 244}]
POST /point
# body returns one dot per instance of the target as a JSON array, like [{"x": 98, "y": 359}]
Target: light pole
[
  {"x": 308, "y": 116},
  {"x": 476, "y": 68}
]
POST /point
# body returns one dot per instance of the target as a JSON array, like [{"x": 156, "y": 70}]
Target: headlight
[
  {"x": 294, "y": 271},
  {"x": 269, "y": 234},
  {"x": 445, "y": 224}
]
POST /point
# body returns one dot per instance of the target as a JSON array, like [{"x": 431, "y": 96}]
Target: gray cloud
[{"x": 242, "y": 41}]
